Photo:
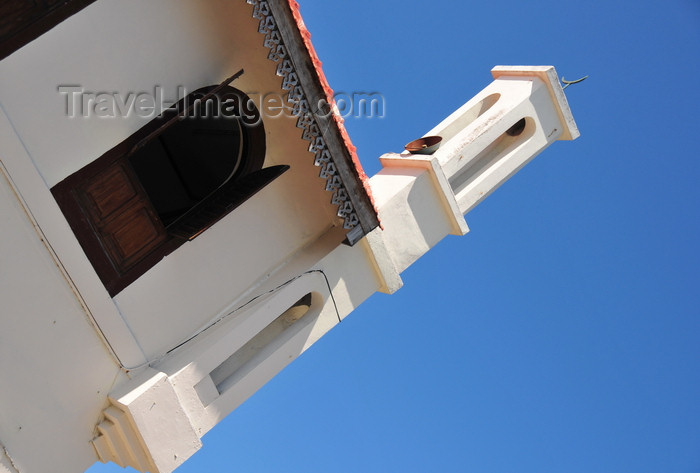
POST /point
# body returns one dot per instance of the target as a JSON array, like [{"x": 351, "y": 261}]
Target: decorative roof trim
[{"x": 307, "y": 118}]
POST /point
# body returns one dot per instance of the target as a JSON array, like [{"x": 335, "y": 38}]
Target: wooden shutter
[{"x": 121, "y": 215}]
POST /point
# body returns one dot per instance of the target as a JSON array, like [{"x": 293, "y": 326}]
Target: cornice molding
[{"x": 347, "y": 193}]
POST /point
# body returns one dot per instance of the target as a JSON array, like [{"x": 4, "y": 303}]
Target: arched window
[
  {"x": 203, "y": 160},
  {"x": 167, "y": 183}
]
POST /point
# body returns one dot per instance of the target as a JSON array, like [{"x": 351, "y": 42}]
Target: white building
[{"x": 157, "y": 270}]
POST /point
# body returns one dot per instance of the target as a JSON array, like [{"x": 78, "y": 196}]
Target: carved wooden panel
[
  {"x": 132, "y": 234},
  {"x": 121, "y": 215},
  {"x": 109, "y": 191}
]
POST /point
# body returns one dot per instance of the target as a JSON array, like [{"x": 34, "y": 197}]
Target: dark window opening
[
  {"x": 194, "y": 169},
  {"x": 167, "y": 183}
]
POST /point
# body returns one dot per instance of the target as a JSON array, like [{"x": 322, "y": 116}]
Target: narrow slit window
[{"x": 246, "y": 357}]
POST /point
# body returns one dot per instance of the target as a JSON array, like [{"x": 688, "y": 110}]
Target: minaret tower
[
  {"x": 423, "y": 197},
  {"x": 183, "y": 214},
  {"x": 421, "y": 194}
]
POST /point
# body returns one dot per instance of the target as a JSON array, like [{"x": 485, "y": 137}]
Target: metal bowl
[{"x": 425, "y": 145}]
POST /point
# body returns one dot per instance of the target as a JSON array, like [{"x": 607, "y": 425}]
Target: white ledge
[{"x": 549, "y": 76}]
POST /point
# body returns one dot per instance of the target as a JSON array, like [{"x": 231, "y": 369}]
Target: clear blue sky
[{"x": 562, "y": 334}]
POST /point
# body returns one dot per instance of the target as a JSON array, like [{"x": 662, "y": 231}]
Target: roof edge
[{"x": 330, "y": 98}]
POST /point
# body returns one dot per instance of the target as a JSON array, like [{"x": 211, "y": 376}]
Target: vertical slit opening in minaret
[
  {"x": 255, "y": 350},
  {"x": 466, "y": 183},
  {"x": 468, "y": 117}
]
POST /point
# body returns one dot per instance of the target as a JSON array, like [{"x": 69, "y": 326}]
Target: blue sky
[{"x": 562, "y": 334}]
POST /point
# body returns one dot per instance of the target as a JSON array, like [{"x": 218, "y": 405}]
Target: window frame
[{"x": 76, "y": 197}]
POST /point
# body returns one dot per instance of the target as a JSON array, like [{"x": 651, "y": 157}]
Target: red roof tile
[{"x": 352, "y": 150}]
